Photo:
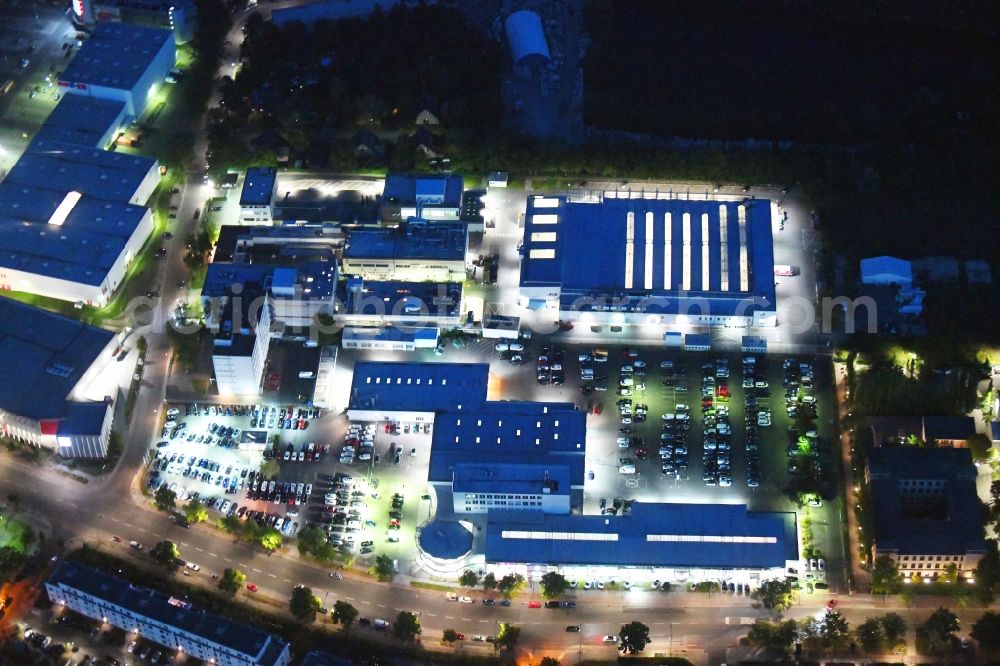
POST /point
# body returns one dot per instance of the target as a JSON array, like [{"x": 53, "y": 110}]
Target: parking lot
[{"x": 377, "y": 491}]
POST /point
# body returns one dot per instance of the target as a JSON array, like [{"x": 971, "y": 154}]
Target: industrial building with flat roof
[
  {"x": 67, "y": 246},
  {"x": 169, "y": 621},
  {"x": 44, "y": 357},
  {"x": 426, "y": 196},
  {"x": 376, "y": 303},
  {"x": 416, "y": 251},
  {"x": 650, "y": 261},
  {"x": 927, "y": 513},
  {"x": 478, "y": 487},
  {"x": 123, "y": 62},
  {"x": 652, "y": 541},
  {"x": 100, "y": 173},
  {"x": 83, "y": 121},
  {"x": 257, "y": 197}
]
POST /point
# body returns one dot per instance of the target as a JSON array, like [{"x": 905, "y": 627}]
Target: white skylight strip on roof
[
  {"x": 704, "y": 252},
  {"x": 559, "y": 536},
  {"x": 668, "y": 237},
  {"x": 709, "y": 538},
  {"x": 648, "y": 265},
  {"x": 723, "y": 248},
  {"x": 545, "y": 218},
  {"x": 629, "y": 249},
  {"x": 545, "y": 202},
  {"x": 542, "y": 253},
  {"x": 744, "y": 257},
  {"x": 686, "y": 266},
  {"x": 543, "y": 237},
  {"x": 64, "y": 208}
]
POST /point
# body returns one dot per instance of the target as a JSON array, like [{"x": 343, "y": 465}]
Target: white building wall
[
  {"x": 466, "y": 502},
  {"x": 131, "y": 250},
  {"x": 375, "y": 415},
  {"x": 43, "y": 285},
  {"x": 88, "y": 446},
  {"x": 406, "y": 270},
  {"x": 155, "y": 75},
  {"x": 235, "y": 375},
  {"x": 147, "y": 186},
  {"x": 256, "y": 215}
]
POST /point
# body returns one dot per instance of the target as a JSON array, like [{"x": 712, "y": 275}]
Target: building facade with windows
[
  {"x": 927, "y": 512},
  {"x": 423, "y": 196},
  {"x": 168, "y": 621},
  {"x": 257, "y": 197},
  {"x": 417, "y": 251},
  {"x": 477, "y": 488}
]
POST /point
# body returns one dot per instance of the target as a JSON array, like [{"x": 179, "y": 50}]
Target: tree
[
  {"x": 775, "y": 637},
  {"x": 196, "y": 512},
  {"x": 871, "y": 636},
  {"x": 510, "y": 585},
  {"x": 406, "y": 627},
  {"x": 553, "y": 585},
  {"x": 833, "y": 628},
  {"x": 344, "y": 613},
  {"x": 885, "y": 576},
  {"x": 939, "y": 630},
  {"x": 469, "y": 578},
  {"x": 270, "y": 468},
  {"x": 489, "y": 582},
  {"x": 165, "y": 499},
  {"x": 986, "y": 631},
  {"x": 980, "y": 445},
  {"x": 507, "y": 637},
  {"x": 166, "y": 553},
  {"x": 311, "y": 540},
  {"x": 548, "y": 661},
  {"x": 449, "y": 636},
  {"x": 270, "y": 539},
  {"x": 383, "y": 569},
  {"x": 774, "y": 595},
  {"x": 303, "y": 603},
  {"x": 988, "y": 572},
  {"x": 633, "y": 637},
  {"x": 232, "y": 580},
  {"x": 894, "y": 628}
]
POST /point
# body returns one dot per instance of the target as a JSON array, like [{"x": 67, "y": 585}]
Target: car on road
[
  {"x": 534, "y": 604},
  {"x": 465, "y": 600},
  {"x": 252, "y": 587},
  {"x": 573, "y": 629},
  {"x": 610, "y": 638}
]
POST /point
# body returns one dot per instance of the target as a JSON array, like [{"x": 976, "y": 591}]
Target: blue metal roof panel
[
  {"x": 116, "y": 55},
  {"x": 630, "y": 545},
  {"x": 258, "y": 186},
  {"x": 419, "y": 387},
  {"x": 512, "y": 478},
  {"x": 43, "y": 356}
]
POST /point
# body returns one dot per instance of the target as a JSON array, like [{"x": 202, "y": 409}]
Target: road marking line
[
  {"x": 212, "y": 555},
  {"x": 272, "y": 575}
]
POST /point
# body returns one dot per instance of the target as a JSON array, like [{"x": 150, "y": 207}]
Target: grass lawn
[{"x": 12, "y": 535}]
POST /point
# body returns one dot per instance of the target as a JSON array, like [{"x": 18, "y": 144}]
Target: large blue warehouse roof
[
  {"x": 82, "y": 121},
  {"x": 82, "y": 249},
  {"x": 116, "y": 55},
  {"x": 419, "y": 387},
  {"x": 244, "y": 639},
  {"x": 528, "y": 433},
  {"x": 724, "y": 536},
  {"x": 43, "y": 356},
  {"x": 64, "y": 167},
  {"x": 513, "y": 478},
  {"x": 636, "y": 247}
]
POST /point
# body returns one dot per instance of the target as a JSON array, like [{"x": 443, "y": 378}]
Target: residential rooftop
[
  {"x": 63, "y": 235},
  {"x": 43, "y": 356},
  {"x": 707, "y": 536},
  {"x": 116, "y": 55},
  {"x": 416, "y": 239},
  {"x": 665, "y": 254},
  {"x": 246, "y": 640}
]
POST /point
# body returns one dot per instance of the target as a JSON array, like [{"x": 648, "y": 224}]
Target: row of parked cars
[
  {"x": 230, "y": 479},
  {"x": 549, "y": 367},
  {"x": 278, "y": 492}
]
